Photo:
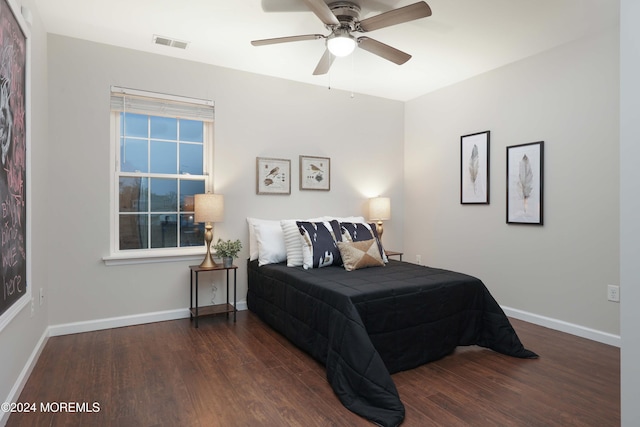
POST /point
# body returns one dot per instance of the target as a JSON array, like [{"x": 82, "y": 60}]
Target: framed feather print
[
  {"x": 525, "y": 173},
  {"x": 273, "y": 176},
  {"x": 474, "y": 168}
]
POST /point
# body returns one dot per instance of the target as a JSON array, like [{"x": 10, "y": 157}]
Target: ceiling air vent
[{"x": 166, "y": 41}]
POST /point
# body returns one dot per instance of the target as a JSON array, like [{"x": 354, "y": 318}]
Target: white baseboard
[
  {"x": 14, "y": 394},
  {"x": 562, "y": 326},
  {"x": 160, "y": 316},
  {"x": 119, "y": 322}
]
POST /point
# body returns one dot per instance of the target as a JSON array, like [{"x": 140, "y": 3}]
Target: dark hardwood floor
[{"x": 245, "y": 374}]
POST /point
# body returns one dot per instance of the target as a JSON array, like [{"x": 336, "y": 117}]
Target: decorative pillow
[
  {"x": 292, "y": 241},
  {"x": 253, "y": 242},
  {"x": 319, "y": 248},
  {"x": 357, "y": 232},
  {"x": 362, "y": 254},
  {"x": 271, "y": 247}
]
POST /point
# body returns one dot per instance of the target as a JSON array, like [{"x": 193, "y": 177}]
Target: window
[{"x": 162, "y": 148}]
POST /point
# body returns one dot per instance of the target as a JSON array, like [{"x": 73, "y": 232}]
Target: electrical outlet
[
  {"x": 41, "y": 296},
  {"x": 613, "y": 293},
  {"x": 419, "y": 259}
]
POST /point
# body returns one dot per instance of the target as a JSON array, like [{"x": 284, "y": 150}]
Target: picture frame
[
  {"x": 273, "y": 176},
  {"x": 525, "y": 183},
  {"x": 474, "y": 168},
  {"x": 315, "y": 173},
  {"x": 15, "y": 112}
]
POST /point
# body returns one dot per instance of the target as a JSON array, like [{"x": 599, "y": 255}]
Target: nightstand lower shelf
[{"x": 209, "y": 310}]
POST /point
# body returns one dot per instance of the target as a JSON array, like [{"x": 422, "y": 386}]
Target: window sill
[{"x": 152, "y": 256}]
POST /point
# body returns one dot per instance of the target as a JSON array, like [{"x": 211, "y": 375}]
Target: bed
[{"x": 367, "y": 324}]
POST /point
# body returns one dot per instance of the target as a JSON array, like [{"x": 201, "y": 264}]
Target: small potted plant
[{"x": 227, "y": 251}]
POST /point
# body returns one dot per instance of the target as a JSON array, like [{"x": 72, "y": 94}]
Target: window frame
[{"x": 148, "y": 255}]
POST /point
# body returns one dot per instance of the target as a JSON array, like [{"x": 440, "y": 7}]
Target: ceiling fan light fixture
[{"x": 341, "y": 43}]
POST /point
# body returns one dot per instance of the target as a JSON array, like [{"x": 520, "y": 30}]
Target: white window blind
[{"x": 153, "y": 104}]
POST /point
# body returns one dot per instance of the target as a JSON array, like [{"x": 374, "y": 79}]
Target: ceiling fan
[{"x": 342, "y": 19}]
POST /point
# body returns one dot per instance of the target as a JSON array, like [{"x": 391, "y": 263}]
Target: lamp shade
[
  {"x": 379, "y": 209},
  {"x": 209, "y": 208}
]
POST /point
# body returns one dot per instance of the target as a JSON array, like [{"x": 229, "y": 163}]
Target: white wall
[
  {"x": 255, "y": 116},
  {"x": 629, "y": 208},
  {"x": 20, "y": 337},
  {"x": 567, "y": 97}
]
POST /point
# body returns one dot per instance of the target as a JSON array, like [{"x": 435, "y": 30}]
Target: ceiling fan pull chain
[{"x": 353, "y": 75}]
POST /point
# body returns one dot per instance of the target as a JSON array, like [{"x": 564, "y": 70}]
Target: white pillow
[
  {"x": 271, "y": 248},
  {"x": 253, "y": 242},
  {"x": 292, "y": 241}
]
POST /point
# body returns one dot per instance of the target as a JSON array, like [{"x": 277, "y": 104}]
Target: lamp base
[
  {"x": 379, "y": 230},
  {"x": 208, "y": 261}
]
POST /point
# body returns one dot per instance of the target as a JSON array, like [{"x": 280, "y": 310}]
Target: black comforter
[{"x": 366, "y": 324}]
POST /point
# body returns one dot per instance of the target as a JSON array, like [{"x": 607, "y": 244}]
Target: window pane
[
  {"x": 134, "y": 125},
  {"x": 191, "y": 234},
  {"x": 164, "y": 128},
  {"x": 133, "y": 155},
  {"x": 191, "y": 159},
  {"x": 188, "y": 189},
  {"x": 133, "y": 232},
  {"x": 164, "y": 157},
  {"x": 164, "y": 231},
  {"x": 134, "y": 193},
  {"x": 191, "y": 130},
  {"x": 164, "y": 195}
]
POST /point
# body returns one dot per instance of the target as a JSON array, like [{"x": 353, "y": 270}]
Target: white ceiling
[{"x": 461, "y": 39}]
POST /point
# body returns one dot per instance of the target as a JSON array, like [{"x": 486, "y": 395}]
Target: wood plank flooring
[{"x": 246, "y": 374}]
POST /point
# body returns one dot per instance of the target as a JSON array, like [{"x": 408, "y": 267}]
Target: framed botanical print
[
  {"x": 525, "y": 173},
  {"x": 315, "y": 173},
  {"x": 474, "y": 168},
  {"x": 273, "y": 176}
]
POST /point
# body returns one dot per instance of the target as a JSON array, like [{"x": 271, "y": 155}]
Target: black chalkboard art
[{"x": 13, "y": 151}]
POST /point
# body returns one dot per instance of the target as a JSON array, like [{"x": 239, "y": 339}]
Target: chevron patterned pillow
[{"x": 362, "y": 254}]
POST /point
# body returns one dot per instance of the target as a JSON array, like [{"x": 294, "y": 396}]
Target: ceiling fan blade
[
  {"x": 384, "y": 51},
  {"x": 322, "y": 11},
  {"x": 324, "y": 64},
  {"x": 396, "y": 16},
  {"x": 287, "y": 39}
]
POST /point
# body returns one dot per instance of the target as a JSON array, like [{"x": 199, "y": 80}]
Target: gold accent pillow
[{"x": 356, "y": 255}]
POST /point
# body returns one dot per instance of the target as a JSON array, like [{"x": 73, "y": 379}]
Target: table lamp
[
  {"x": 379, "y": 210},
  {"x": 208, "y": 208}
]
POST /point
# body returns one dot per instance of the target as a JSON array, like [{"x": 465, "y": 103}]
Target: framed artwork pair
[
  {"x": 524, "y": 177},
  {"x": 273, "y": 176}
]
